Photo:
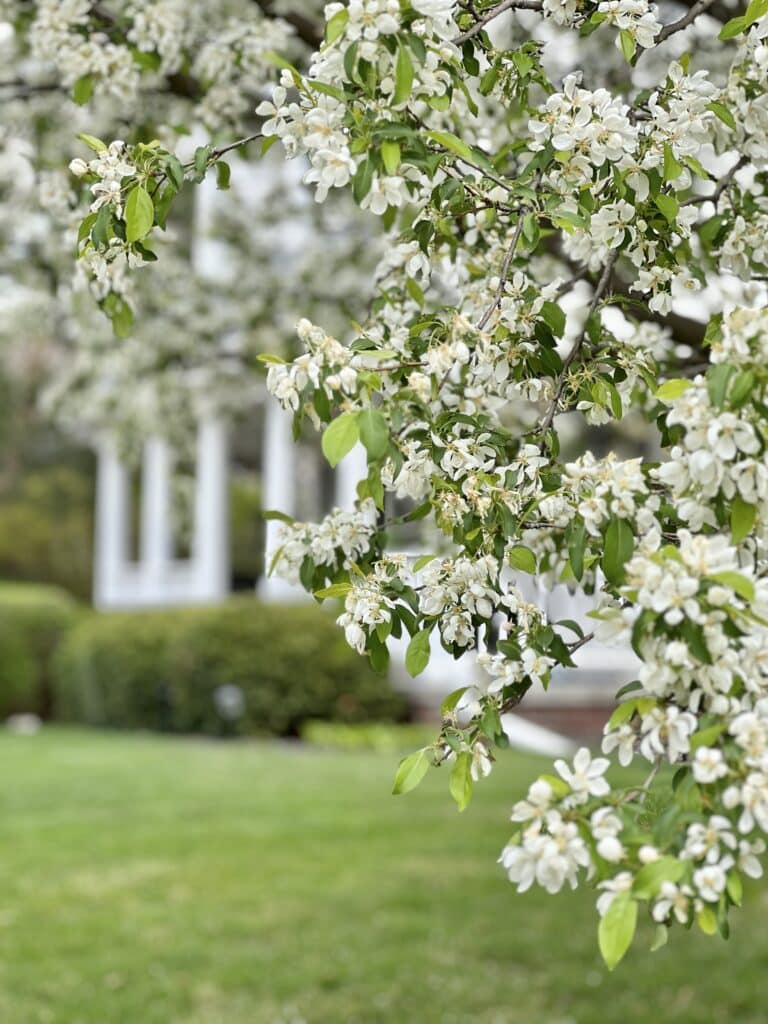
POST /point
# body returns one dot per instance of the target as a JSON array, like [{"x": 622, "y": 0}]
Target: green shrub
[
  {"x": 165, "y": 670},
  {"x": 46, "y": 530},
  {"x": 33, "y": 621}
]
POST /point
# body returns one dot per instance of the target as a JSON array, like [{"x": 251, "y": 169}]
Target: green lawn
[{"x": 163, "y": 881}]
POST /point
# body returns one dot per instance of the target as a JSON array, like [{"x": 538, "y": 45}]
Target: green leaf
[
  {"x": 617, "y": 929},
  {"x": 672, "y": 167},
  {"x": 335, "y": 590},
  {"x": 649, "y": 878},
  {"x": 417, "y": 654},
  {"x": 628, "y": 688},
  {"x": 424, "y": 560},
  {"x": 707, "y": 920},
  {"x": 718, "y": 377},
  {"x": 92, "y": 142},
  {"x": 741, "y": 585},
  {"x": 391, "y": 155},
  {"x": 735, "y": 888},
  {"x": 757, "y": 9},
  {"x": 201, "y": 158},
  {"x": 223, "y": 175},
  {"x": 361, "y": 184},
  {"x": 554, "y": 317},
  {"x": 336, "y": 25},
  {"x": 274, "y": 514},
  {"x": 619, "y": 545},
  {"x": 522, "y": 558},
  {"x": 660, "y": 937},
  {"x": 403, "y": 76},
  {"x": 741, "y": 388},
  {"x": 668, "y": 206},
  {"x": 721, "y": 111},
  {"x": 139, "y": 214},
  {"x": 120, "y": 313},
  {"x": 340, "y": 437},
  {"x": 374, "y": 432},
  {"x": 622, "y": 713},
  {"x": 82, "y": 90},
  {"x": 628, "y": 47},
  {"x": 732, "y": 28},
  {"x": 415, "y": 291},
  {"x": 575, "y": 537},
  {"x": 411, "y": 771},
  {"x": 706, "y": 737},
  {"x": 743, "y": 517},
  {"x": 453, "y": 698},
  {"x": 461, "y": 780},
  {"x": 451, "y": 142},
  {"x": 672, "y": 389},
  {"x": 101, "y": 232}
]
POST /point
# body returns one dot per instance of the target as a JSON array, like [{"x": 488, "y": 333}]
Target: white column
[
  {"x": 156, "y": 541},
  {"x": 111, "y": 529},
  {"x": 351, "y": 470},
  {"x": 210, "y": 546},
  {"x": 278, "y": 492}
]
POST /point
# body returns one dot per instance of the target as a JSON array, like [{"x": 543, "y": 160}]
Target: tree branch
[
  {"x": 721, "y": 186},
  {"x": 504, "y": 272},
  {"x": 489, "y": 16},
  {"x": 687, "y": 19},
  {"x": 602, "y": 285}
]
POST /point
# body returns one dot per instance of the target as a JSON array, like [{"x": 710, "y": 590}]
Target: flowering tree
[
  {"x": 546, "y": 225},
  {"x": 168, "y": 71}
]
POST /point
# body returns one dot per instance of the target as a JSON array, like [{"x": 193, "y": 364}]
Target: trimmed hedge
[
  {"x": 167, "y": 670},
  {"x": 33, "y": 621}
]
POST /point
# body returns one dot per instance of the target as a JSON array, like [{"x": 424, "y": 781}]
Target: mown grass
[{"x": 148, "y": 880}]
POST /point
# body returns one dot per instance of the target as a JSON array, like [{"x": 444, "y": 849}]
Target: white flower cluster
[
  {"x": 288, "y": 381},
  {"x": 110, "y": 167},
  {"x": 722, "y": 449},
  {"x": 337, "y": 542},
  {"x": 551, "y": 849},
  {"x": 164, "y": 27},
  {"x": 746, "y": 243},
  {"x": 590, "y": 128},
  {"x": 57, "y": 40},
  {"x": 365, "y": 607},
  {"x": 747, "y": 94},
  {"x": 636, "y": 17},
  {"x": 316, "y": 126},
  {"x": 460, "y": 593},
  {"x": 235, "y": 63}
]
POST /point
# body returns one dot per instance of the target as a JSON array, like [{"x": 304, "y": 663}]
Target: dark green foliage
[
  {"x": 33, "y": 620},
  {"x": 46, "y": 530},
  {"x": 161, "y": 670}
]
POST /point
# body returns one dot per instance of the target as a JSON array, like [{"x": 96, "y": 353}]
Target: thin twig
[
  {"x": 216, "y": 154},
  {"x": 722, "y": 184},
  {"x": 687, "y": 19},
  {"x": 489, "y": 16},
  {"x": 504, "y": 273},
  {"x": 578, "y": 644},
  {"x": 560, "y": 388}
]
